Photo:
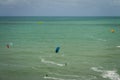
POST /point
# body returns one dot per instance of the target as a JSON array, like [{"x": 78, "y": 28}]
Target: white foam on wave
[
  {"x": 51, "y": 62},
  {"x": 35, "y": 68},
  {"x": 11, "y": 44},
  {"x": 110, "y": 74},
  {"x": 64, "y": 75},
  {"x": 54, "y": 78},
  {"x": 95, "y": 38},
  {"x": 96, "y": 69},
  {"x": 118, "y": 46},
  {"x": 102, "y": 40}
]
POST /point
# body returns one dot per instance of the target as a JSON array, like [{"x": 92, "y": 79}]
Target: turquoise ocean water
[{"x": 88, "y": 48}]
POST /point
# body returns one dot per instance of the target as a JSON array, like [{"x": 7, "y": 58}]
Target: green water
[{"x": 87, "y": 47}]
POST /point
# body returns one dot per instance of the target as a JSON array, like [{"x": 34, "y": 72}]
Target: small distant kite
[
  {"x": 112, "y": 30},
  {"x": 57, "y": 49},
  {"x": 40, "y": 22}
]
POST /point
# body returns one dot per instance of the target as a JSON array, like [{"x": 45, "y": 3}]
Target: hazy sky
[{"x": 59, "y": 7}]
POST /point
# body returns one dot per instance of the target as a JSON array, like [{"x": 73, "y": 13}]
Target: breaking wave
[
  {"x": 110, "y": 74},
  {"x": 64, "y": 75},
  {"x": 51, "y": 62},
  {"x": 54, "y": 78},
  {"x": 118, "y": 46}
]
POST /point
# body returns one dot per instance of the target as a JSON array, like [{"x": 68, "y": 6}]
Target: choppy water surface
[{"x": 88, "y": 48}]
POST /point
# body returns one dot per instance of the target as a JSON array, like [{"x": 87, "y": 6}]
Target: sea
[{"x": 89, "y": 48}]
